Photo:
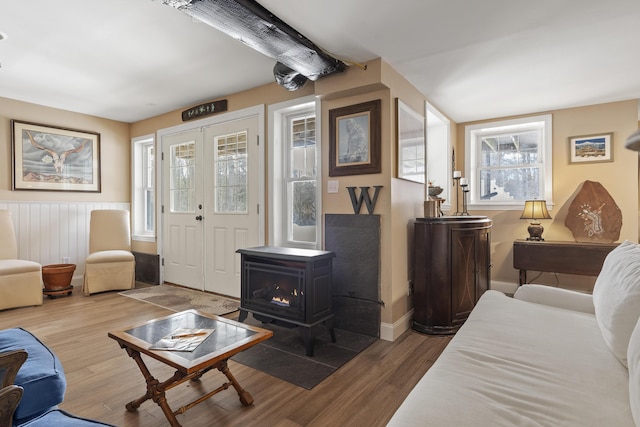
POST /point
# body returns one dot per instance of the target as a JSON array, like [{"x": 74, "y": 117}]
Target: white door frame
[{"x": 256, "y": 111}]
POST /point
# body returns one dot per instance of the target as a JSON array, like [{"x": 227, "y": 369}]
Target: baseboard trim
[{"x": 391, "y": 331}]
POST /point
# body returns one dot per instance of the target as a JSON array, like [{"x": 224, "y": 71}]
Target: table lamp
[{"x": 535, "y": 210}]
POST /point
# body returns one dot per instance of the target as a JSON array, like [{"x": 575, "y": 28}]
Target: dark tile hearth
[{"x": 283, "y": 355}]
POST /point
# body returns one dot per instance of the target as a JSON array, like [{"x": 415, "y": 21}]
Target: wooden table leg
[
  {"x": 155, "y": 389},
  {"x": 245, "y": 397}
]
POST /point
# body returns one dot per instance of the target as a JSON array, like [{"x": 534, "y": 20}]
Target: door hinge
[
  {"x": 162, "y": 209},
  {"x": 257, "y": 139},
  {"x": 162, "y": 262},
  {"x": 258, "y": 209},
  {"x": 162, "y": 156}
]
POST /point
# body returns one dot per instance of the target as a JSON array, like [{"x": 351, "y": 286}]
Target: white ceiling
[{"x": 128, "y": 60}]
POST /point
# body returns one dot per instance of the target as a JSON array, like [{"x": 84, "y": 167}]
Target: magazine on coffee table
[{"x": 182, "y": 339}]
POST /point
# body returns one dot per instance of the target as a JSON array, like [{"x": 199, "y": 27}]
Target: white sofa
[{"x": 546, "y": 357}]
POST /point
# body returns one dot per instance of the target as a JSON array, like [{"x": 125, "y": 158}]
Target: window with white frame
[
  {"x": 143, "y": 191},
  {"x": 294, "y": 182},
  {"x": 508, "y": 162}
]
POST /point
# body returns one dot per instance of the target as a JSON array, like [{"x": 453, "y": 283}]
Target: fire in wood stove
[
  {"x": 276, "y": 290},
  {"x": 278, "y": 295}
]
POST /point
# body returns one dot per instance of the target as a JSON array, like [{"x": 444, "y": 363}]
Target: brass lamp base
[{"x": 535, "y": 231}]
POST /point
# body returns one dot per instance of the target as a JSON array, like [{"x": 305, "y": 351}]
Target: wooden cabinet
[{"x": 451, "y": 270}]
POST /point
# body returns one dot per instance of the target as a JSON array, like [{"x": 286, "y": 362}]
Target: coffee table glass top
[{"x": 226, "y": 332}]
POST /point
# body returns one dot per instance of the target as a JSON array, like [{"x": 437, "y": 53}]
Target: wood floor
[{"x": 101, "y": 378}]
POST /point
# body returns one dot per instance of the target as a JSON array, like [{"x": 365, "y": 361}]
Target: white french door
[
  {"x": 231, "y": 201},
  {"x": 182, "y": 209},
  {"x": 211, "y": 187}
]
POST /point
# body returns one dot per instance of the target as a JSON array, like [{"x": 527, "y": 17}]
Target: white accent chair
[
  {"x": 20, "y": 280},
  {"x": 110, "y": 264}
]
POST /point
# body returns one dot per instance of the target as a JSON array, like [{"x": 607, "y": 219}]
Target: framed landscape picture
[
  {"x": 50, "y": 158},
  {"x": 591, "y": 148},
  {"x": 354, "y": 139}
]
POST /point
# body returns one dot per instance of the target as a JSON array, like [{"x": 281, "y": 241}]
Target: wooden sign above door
[{"x": 204, "y": 110}]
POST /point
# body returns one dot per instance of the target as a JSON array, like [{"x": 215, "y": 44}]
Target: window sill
[
  {"x": 515, "y": 206},
  {"x": 144, "y": 238}
]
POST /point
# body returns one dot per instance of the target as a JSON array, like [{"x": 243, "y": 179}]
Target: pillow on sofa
[
  {"x": 616, "y": 297},
  {"x": 633, "y": 358}
]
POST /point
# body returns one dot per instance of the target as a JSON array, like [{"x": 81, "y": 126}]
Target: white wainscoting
[{"x": 48, "y": 232}]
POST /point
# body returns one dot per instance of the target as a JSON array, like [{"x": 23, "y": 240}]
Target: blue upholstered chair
[
  {"x": 41, "y": 376},
  {"x": 10, "y": 397},
  {"x": 33, "y": 383},
  {"x": 58, "y": 417}
]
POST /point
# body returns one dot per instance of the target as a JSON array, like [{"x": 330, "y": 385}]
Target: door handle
[{"x": 199, "y": 218}]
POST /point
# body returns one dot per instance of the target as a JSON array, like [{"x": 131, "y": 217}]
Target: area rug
[
  {"x": 283, "y": 355},
  {"x": 177, "y": 299}
]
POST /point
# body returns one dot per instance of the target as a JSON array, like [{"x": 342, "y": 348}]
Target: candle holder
[
  {"x": 456, "y": 182},
  {"x": 465, "y": 190}
]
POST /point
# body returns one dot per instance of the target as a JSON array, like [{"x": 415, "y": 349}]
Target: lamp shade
[
  {"x": 633, "y": 141},
  {"x": 535, "y": 209}
]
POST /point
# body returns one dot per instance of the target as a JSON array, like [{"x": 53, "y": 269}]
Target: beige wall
[
  {"x": 114, "y": 152},
  {"x": 620, "y": 179}
]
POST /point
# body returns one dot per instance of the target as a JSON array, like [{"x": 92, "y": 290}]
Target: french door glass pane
[
  {"x": 231, "y": 173},
  {"x": 182, "y": 177}
]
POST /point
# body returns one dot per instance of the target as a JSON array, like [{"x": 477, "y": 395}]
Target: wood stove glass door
[{"x": 232, "y": 183}]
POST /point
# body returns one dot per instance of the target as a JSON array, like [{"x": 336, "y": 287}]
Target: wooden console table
[{"x": 559, "y": 257}]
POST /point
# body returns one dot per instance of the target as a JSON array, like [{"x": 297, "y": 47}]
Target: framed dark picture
[
  {"x": 591, "y": 148},
  {"x": 354, "y": 139},
  {"x": 50, "y": 158}
]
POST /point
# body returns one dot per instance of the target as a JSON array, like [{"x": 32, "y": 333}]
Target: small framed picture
[
  {"x": 591, "y": 148},
  {"x": 354, "y": 139}
]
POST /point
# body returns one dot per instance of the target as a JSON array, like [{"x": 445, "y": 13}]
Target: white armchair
[
  {"x": 20, "y": 280},
  {"x": 110, "y": 264}
]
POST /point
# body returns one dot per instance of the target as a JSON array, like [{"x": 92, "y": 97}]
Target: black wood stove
[{"x": 288, "y": 285}]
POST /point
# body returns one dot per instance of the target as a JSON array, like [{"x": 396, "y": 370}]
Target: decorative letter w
[{"x": 364, "y": 195}]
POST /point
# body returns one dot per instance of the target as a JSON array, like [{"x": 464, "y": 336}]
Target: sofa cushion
[
  {"x": 633, "y": 359},
  {"x": 41, "y": 376},
  {"x": 18, "y": 266},
  {"x": 616, "y": 297},
  {"x": 556, "y": 297},
  {"x": 516, "y": 363},
  {"x": 110, "y": 256}
]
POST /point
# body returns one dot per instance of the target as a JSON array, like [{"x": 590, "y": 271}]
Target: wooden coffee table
[{"x": 229, "y": 338}]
